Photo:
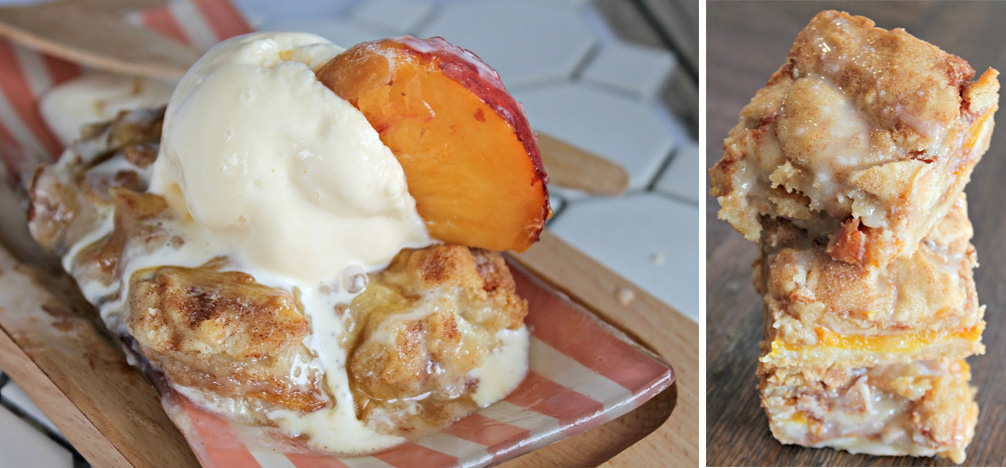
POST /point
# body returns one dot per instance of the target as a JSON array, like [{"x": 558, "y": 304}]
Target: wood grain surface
[
  {"x": 80, "y": 380},
  {"x": 746, "y": 42}
]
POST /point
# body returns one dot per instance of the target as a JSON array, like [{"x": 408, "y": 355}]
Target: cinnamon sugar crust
[{"x": 865, "y": 137}]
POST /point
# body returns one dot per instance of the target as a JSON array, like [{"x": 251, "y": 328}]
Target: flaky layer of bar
[
  {"x": 864, "y": 138},
  {"x": 822, "y": 312},
  {"x": 921, "y": 409}
]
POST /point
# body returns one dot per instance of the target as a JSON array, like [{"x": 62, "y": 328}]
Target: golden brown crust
[
  {"x": 922, "y": 408},
  {"x": 481, "y": 278},
  {"x": 419, "y": 328},
  {"x": 865, "y": 137},
  {"x": 820, "y": 311},
  {"x": 223, "y": 333},
  {"x": 426, "y": 321}
]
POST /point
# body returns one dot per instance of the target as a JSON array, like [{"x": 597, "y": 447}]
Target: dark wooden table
[{"x": 746, "y": 42}]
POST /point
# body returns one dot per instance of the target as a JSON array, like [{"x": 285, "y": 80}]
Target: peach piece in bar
[
  {"x": 920, "y": 408},
  {"x": 864, "y": 137},
  {"x": 468, "y": 152},
  {"x": 821, "y": 312}
]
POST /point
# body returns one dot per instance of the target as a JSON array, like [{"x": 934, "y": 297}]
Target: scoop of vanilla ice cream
[{"x": 279, "y": 168}]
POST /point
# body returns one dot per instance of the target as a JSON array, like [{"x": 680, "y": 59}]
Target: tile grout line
[
  {"x": 24, "y": 416},
  {"x": 576, "y": 74},
  {"x": 573, "y": 77},
  {"x": 614, "y": 90},
  {"x": 675, "y": 197},
  {"x": 665, "y": 166}
]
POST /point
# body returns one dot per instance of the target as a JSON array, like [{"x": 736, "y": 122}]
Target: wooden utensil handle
[
  {"x": 573, "y": 167},
  {"x": 96, "y": 37}
]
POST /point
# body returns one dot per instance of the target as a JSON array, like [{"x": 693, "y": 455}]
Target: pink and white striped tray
[{"x": 583, "y": 372}]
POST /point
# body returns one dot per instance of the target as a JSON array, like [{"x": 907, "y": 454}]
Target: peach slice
[{"x": 469, "y": 156}]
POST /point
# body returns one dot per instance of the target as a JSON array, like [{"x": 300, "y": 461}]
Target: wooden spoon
[
  {"x": 576, "y": 168},
  {"x": 92, "y": 33}
]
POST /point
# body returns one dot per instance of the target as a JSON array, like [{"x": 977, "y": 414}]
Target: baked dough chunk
[
  {"x": 865, "y": 137},
  {"x": 922, "y": 409},
  {"x": 426, "y": 322},
  {"x": 70, "y": 198},
  {"x": 821, "y": 312},
  {"x": 226, "y": 335}
]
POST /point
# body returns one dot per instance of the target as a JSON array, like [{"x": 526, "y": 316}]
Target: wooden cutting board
[
  {"x": 747, "y": 42},
  {"x": 112, "y": 415}
]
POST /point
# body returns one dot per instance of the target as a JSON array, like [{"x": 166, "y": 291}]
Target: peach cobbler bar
[
  {"x": 822, "y": 312},
  {"x": 921, "y": 408},
  {"x": 865, "y": 137},
  {"x": 848, "y": 169}
]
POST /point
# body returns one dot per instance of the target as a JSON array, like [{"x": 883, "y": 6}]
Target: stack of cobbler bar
[{"x": 848, "y": 170}]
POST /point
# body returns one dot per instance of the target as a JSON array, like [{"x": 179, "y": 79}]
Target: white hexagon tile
[
  {"x": 650, "y": 236},
  {"x": 24, "y": 446},
  {"x": 624, "y": 130},
  {"x": 398, "y": 16},
  {"x": 681, "y": 179},
  {"x": 12, "y": 395},
  {"x": 633, "y": 68},
  {"x": 259, "y": 12},
  {"x": 526, "y": 41},
  {"x": 337, "y": 30}
]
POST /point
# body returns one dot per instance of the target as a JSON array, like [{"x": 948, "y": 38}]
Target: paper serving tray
[{"x": 583, "y": 372}]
